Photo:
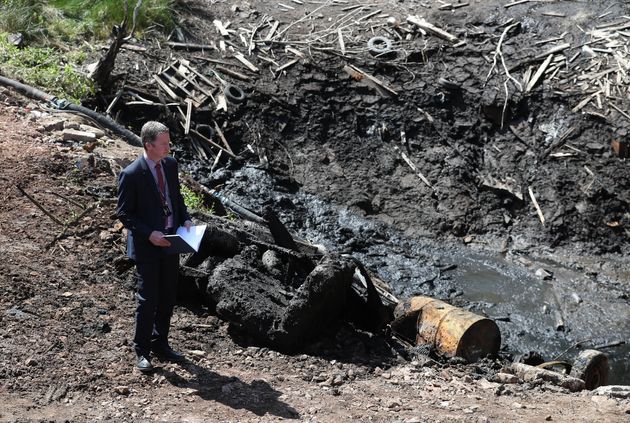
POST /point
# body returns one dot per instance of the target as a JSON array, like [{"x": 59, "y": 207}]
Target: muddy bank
[{"x": 502, "y": 285}]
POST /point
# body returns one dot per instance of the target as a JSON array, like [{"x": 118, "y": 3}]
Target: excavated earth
[{"x": 323, "y": 150}]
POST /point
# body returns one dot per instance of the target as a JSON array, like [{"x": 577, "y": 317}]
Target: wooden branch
[
  {"x": 39, "y": 206},
  {"x": 71, "y": 223},
  {"x": 239, "y": 56},
  {"x": 414, "y": 168},
  {"x": 209, "y": 141},
  {"x": 223, "y": 140},
  {"x": 233, "y": 73},
  {"x": 541, "y": 216},
  {"x": 360, "y": 75},
  {"x": 423, "y": 24}
]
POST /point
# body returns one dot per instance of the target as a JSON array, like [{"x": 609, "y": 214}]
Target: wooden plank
[
  {"x": 219, "y": 26},
  {"x": 239, "y": 56},
  {"x": 272, "y": 31},
  {"x": 201, "y": 76},
  {"x": 166, "y": 88},
  {"x": 539, "y": 73},
  {"x": 342, "y": 44},
  {"x": 193, "y": 83},
  {"x": 189, "y": 107},
  {"x": 287, "y": 65}
]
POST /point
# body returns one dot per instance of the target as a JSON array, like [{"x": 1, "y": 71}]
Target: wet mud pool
[{"x": 504, "y": 286}]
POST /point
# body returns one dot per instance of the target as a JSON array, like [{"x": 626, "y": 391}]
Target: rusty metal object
[
  {"x": 449, "y": 329},
  {"x": 556, "y": 366},
  {"x": 406, "y": 316},
  {"x": 620, "y": 148},
  {"x": 592, "y": 367}
]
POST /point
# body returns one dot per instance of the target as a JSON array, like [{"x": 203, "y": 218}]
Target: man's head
[{"x": 156, "y": 140}]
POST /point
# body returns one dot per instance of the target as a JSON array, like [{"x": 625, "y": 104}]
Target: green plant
[
  {"x": 46, "y": 68},
  {"x": 195, "y": 201},
  {"x": 100, "y": 16}
]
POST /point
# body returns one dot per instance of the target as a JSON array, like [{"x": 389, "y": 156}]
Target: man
[{"x": 150, "y": 205}]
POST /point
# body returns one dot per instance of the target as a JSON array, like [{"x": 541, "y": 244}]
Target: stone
[
  {"x": 53, "y": 125},
  {"x": 543, "y": 274},
  {"x": 99, "y": 133},
  {"x": 82, "y": 136},
  {"x": 30, "y": 362},
  {"x": 122, "y": 390},
  {"x": 615, "y": 391},
  {"x": 506, "y": 378}
]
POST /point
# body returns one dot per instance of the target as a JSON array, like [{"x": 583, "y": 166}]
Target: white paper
[{"x": 192, "y": 238}]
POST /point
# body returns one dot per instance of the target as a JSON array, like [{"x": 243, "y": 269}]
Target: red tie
[
  {"x": 160, "y": 177},
  {"x": 158, "y": 170}
]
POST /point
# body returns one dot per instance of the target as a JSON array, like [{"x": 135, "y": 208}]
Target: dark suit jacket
[{"x": 140, "y": 205}]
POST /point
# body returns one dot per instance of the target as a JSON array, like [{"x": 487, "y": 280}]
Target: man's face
[{"x": 159, "y": 148}]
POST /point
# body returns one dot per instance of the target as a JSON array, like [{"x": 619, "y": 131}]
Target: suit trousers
[{"x": 156, "y": 293}]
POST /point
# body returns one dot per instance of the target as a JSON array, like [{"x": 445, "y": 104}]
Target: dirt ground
[
  {"x": 67, "y": 321},
  {"x": 66, "y": 310}
]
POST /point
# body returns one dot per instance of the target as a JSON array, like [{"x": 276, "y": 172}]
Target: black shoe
[
  {"x": 168, "y": 354},
  {"x": 144, "y": 365}
]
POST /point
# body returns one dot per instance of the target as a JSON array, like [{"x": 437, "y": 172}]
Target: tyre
[
  {"x": 234, "y": 94},
  {"x": 379, "y": 45}
]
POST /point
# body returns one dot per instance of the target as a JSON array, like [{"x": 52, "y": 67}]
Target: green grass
[
  {"x": 71, "y": 20},
  {"x": 46, "y": 68}
]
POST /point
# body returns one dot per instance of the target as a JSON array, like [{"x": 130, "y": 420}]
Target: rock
[
  {"x": 82, "y": 136},
  {"x": 543, "y": 274},
  {"x": 485, "y": 384},
  {"x": 506, "y": 378},
  {"x": 30, "y": 362},
  {"x": 548, "y": 418},
  {"x": 595, "y": 147},
  {"x": 518, "y": 405},
  {"x": 393, "y": 403},
  {"x": 16, "y": 39},
  {"x": 99, "y": 133},
  {"x": 616, "y": 391},
  {"x": 272, "y": 262},
  {"x": 52, "y": 125},
  {"x": 122, "y": 390}
]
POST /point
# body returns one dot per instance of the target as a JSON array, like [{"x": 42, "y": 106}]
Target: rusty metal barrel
[{"x": 451, "y": 330}]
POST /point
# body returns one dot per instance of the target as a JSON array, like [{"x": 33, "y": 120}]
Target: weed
[
  {"x": 68, "y": 20},
  {"x": 194, "y": 201},
  {"x": 46, "y": 68}
]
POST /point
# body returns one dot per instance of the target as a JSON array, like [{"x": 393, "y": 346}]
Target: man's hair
[{"x": 151, "y": 130}]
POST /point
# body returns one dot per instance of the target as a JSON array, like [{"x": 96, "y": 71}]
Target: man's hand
[
  {"x": 157, "y": 239},
  {"x": 187, "y": 225}
]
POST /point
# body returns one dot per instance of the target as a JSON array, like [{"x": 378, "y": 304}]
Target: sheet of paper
[{"x": 192, "y": 237}]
